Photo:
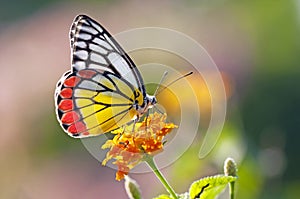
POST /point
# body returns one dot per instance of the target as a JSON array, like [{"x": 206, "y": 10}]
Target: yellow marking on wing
[
  {"x": 83, "y": 102},
  {"x": 84, "y": 93},
  {"x": 123, "y": 87},
  {"x": 89, "y": 110},
  {"x": 107, "y": 119},
  {"x": 118, "y": 121},
  {"x": 140, "y": 98},
  {"x": 107, "y": 83},
  {"x": 91, "y": 122},
  {"x": 96, "y": 131},
  {"x": 99, "y": 122},
  {"x": 111, "y": 98}
]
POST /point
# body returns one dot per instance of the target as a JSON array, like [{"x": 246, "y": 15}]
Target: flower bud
[
  {"x": 230, "y": 168},
  {"x": 132, "y": 188}
]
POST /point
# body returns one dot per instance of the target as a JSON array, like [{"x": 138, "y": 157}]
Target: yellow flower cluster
[{"x": 133, "y": 142}]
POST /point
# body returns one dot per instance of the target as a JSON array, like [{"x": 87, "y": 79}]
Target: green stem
[
  {"x": 159, "y": 175},
  {"x": 231, "y": 190}
]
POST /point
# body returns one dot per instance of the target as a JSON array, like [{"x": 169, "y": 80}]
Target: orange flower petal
[{"x": 129, "y": 146}]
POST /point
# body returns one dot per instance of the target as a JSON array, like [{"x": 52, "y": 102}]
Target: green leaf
[
  {"x": 181, "y": 196},
  {"x": 163, "y": 197},
  {"x": 209, "y": 187}
]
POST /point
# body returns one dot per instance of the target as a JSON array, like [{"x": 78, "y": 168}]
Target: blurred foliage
[
  {"x": 272, "y": 100},
  {"x": 50, "y": 142},
  {"x": 15, "y": 9}
]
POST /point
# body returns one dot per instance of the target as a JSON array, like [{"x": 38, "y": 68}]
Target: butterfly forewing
[
  {"x": 103, "y": 86},
  {"x": 93, "y": 47}
]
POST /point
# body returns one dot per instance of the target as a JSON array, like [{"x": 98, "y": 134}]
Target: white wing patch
[
  {"x": 98, "y": 58},
  {"x": 89, "y": 85},
  {"x": 80, "y": 44},
  {"x": 98, "y": 49},
  {"x": 79, "y": 65},
  {"x": 82, "y": 54},
  {"x": 97, "y": 27},
  {"x": 84, "y": 36},
  {"x": 122, "y": 67},
  {"x": 89, "y": 29},
  {"x": 102, "y": 43},
  {"x": 99, "y": 68}
]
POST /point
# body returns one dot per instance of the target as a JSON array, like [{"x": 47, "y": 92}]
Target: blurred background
[{"x": 255, "y": 44}]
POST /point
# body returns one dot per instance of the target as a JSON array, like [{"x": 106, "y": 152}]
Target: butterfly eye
[{"x": 154, "y": 101}]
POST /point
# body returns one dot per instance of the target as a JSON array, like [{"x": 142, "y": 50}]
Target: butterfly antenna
[
  {"x": 160, "y": 82},
  {"x": 160, "y": 111},
  {"x": 188, "y": 74}
]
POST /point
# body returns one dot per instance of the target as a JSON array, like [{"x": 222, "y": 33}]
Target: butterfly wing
[
  {"x": 94, "y": 48},
  {"x": 99, "y": 93}
]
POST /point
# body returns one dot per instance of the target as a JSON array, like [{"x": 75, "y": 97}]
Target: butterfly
[{"x": 104, "y": 90}]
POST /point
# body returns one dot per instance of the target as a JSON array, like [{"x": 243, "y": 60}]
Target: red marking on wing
[
  {"x": 85, "y": 133},
  {"x": 69, "y": 117},
  {"x": 66, "y": 93},
  {"x": 86, "y": 73},
  {"x": 72, "y": 81},
  {"x": 66, "y": 105},
  {"x": 76, "y": 128}
]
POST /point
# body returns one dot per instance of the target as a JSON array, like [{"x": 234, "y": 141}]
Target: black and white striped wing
[{"x": 94, "y": 48}]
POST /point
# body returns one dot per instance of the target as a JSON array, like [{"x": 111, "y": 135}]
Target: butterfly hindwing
[{"x": 91, "y": 103}]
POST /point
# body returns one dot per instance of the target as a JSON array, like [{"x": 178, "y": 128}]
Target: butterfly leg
[
  {"x": 146, "y": 120},
  {"x": 120, "y": 142},
  {"x": 160, "y": 111},
  {"x": 123, "y": 130},
  {"x": 134, "y": 123}
]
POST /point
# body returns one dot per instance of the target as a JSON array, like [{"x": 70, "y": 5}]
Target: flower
[{"x": 131, "y": 143}]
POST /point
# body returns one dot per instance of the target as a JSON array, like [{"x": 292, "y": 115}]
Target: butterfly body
[{"x": 103, "y": 90}]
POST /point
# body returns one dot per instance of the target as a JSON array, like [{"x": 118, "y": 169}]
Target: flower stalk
[
  {"x": 149, "y": 160},
  {"x": 231, "y": 191}
]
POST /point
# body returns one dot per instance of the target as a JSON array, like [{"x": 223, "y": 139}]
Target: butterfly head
[{"x": 151, "y": 100}]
